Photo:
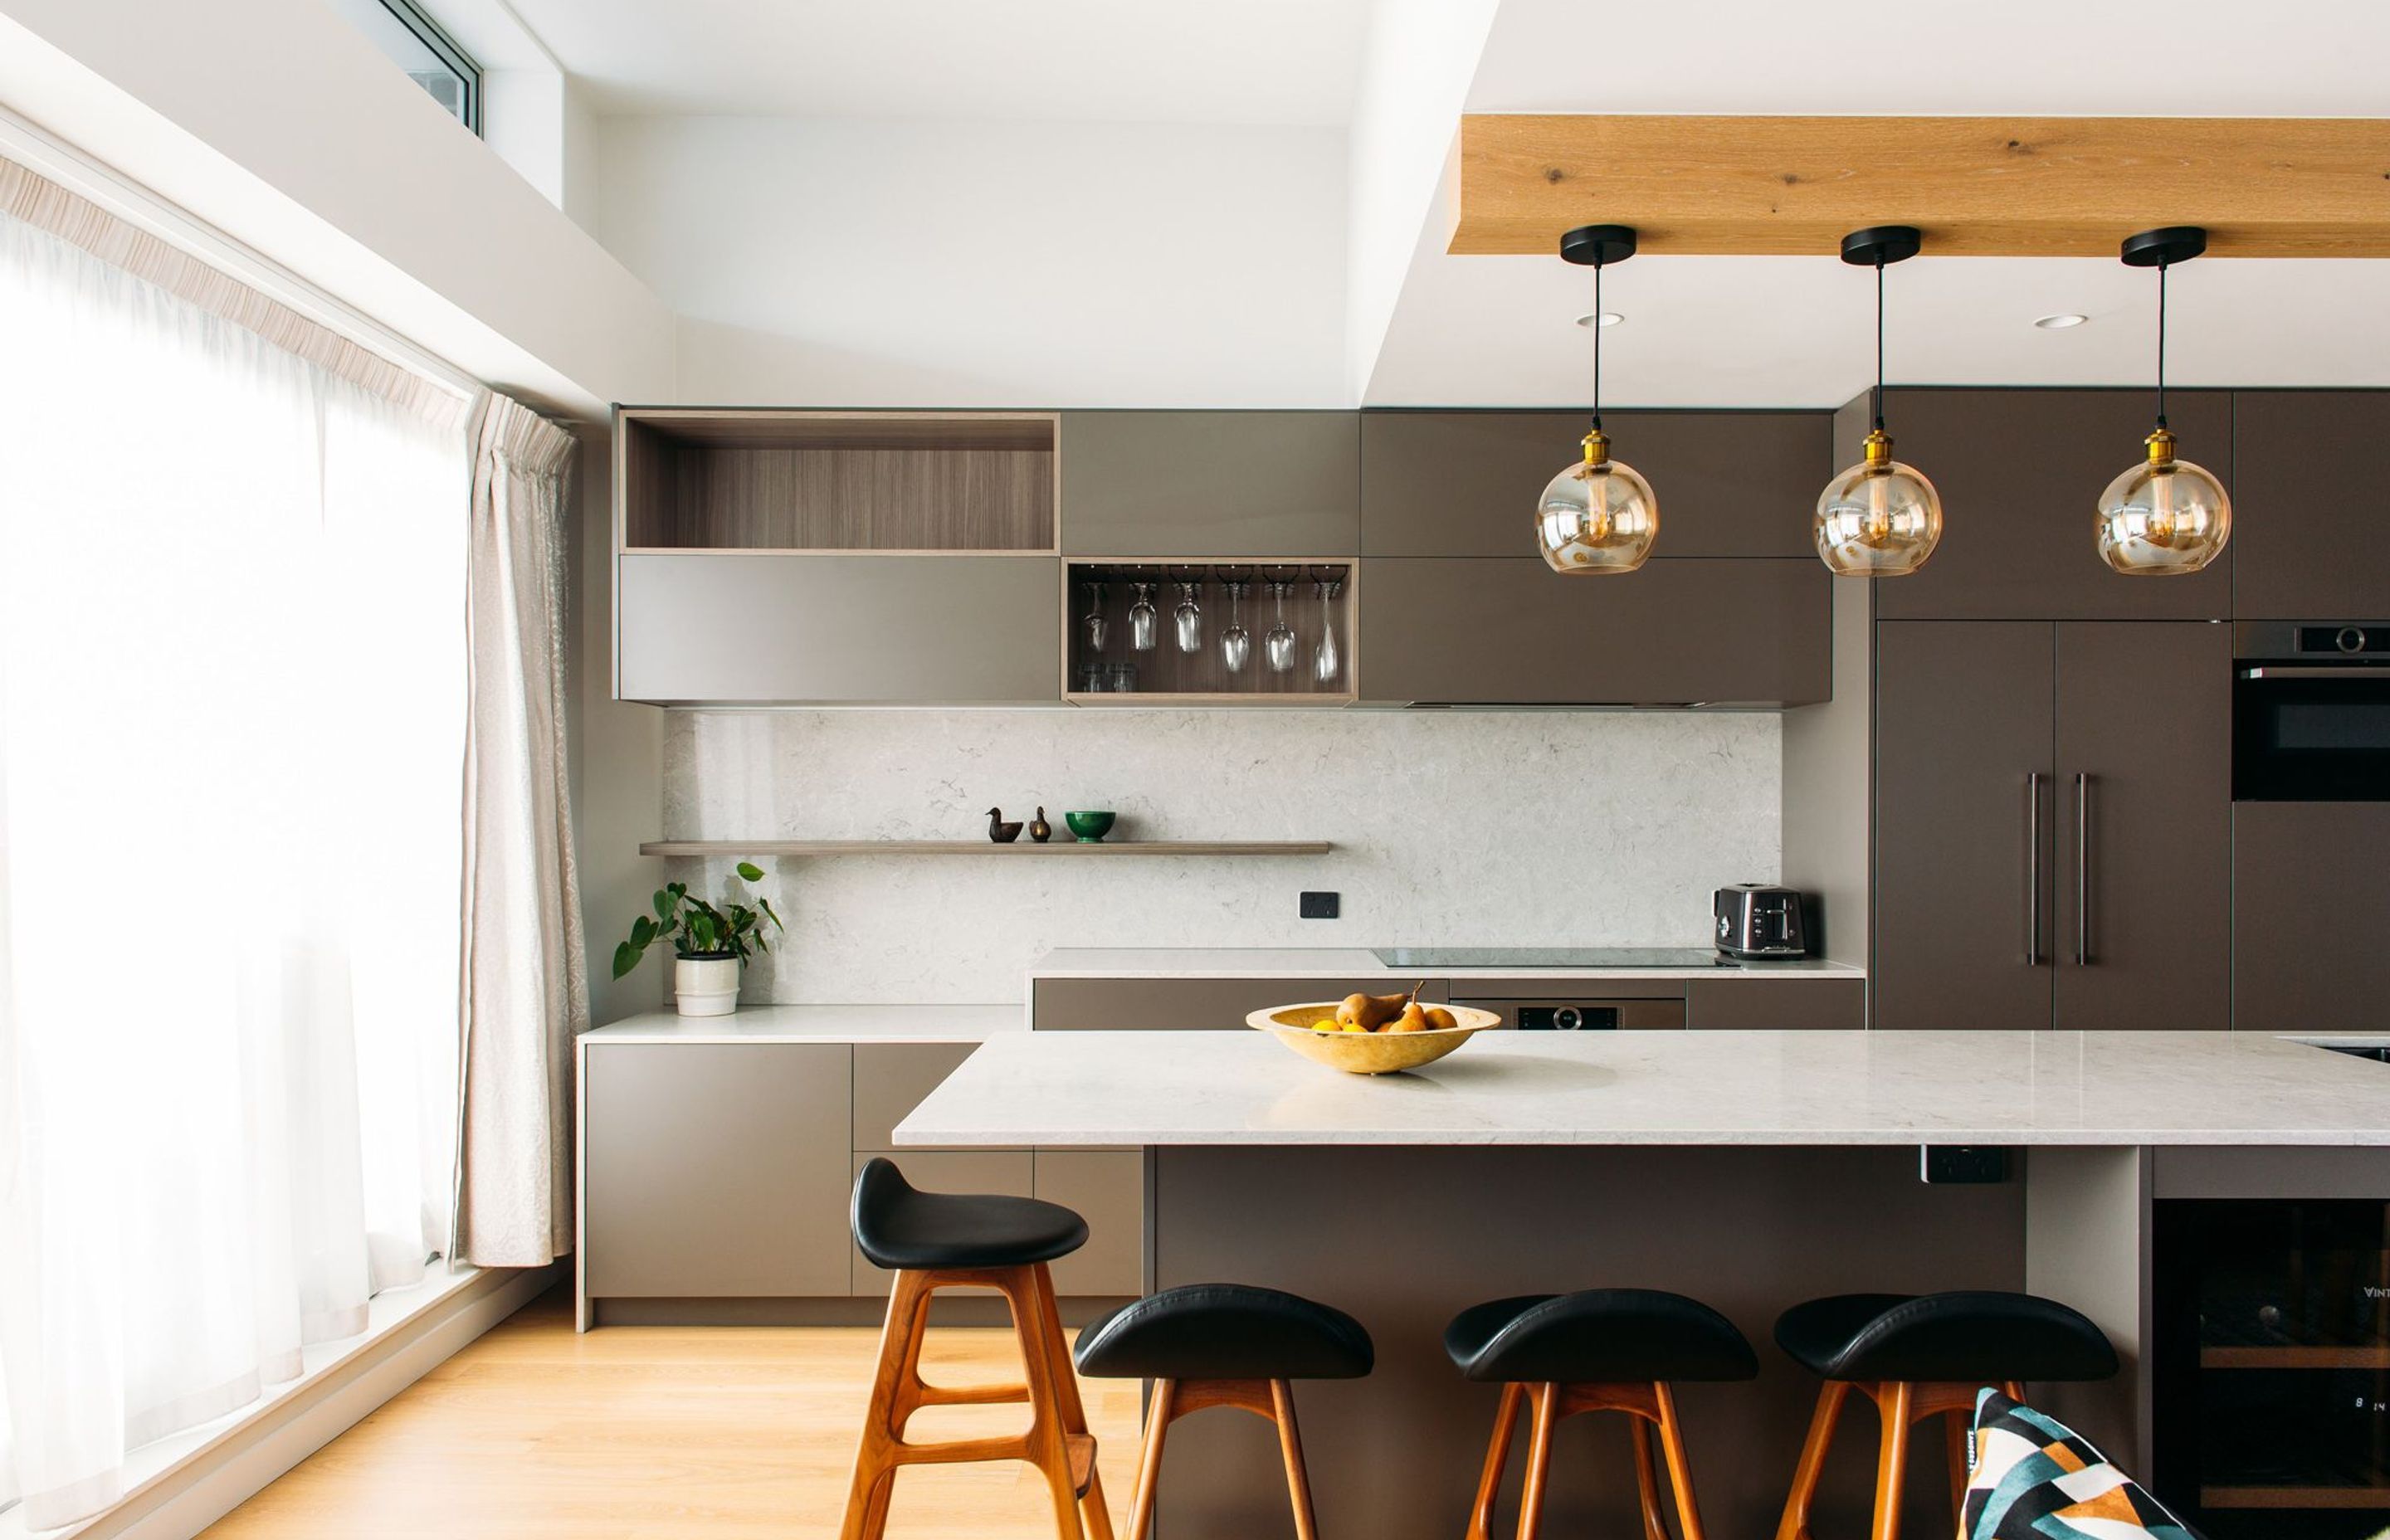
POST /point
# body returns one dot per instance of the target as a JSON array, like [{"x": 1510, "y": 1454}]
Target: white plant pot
[{"x": 705, "y": 986}]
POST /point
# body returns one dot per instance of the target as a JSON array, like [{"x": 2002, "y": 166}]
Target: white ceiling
[
  {"x": 1760, "y": 331},
  {"x": 1231, "y": 61}
]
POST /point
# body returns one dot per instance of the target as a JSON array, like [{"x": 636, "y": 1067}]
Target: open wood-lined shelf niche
[{"x": 912, "y": 482}]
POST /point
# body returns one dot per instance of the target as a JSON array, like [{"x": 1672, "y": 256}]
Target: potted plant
[{"x": 710, "y": 945}]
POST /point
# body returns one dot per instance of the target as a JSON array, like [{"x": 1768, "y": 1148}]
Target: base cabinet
[{"x": 2308, "y": 907}]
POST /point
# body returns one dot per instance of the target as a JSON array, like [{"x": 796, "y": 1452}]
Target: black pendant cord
[
  {"x": 2162, "y": 329},
  {"x": 1597, "y": 347},
  {"x": 1878, "y": 403}
]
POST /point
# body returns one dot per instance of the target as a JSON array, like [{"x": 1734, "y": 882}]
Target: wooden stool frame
[
  {"x": 1899, "y": 1404},
  {"x": 1269, "y": 1399},
  {"x": 1057, "y": 1442},
  {"x": 1647, "y": 1406}
]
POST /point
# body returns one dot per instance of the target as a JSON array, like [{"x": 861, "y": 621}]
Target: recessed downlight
[
  {"x": 1608, "y": 318},
  {"x": 2061, "y": 321}
]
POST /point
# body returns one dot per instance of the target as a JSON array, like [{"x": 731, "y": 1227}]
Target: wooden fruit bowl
[{"x": 1367, "y": 1053}]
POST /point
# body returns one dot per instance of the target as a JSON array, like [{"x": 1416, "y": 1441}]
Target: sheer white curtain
[{"x": 231, "y": 706}]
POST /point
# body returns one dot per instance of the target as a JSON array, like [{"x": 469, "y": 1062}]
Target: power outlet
[
  {"x": 1961, "y": 1164},
  {"x": 1319, "y": 905}
]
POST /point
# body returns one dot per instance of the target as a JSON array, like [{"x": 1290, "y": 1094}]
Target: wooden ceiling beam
[{"x": 1977, "y": 186}]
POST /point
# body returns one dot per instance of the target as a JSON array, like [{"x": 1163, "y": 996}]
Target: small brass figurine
[
  {"x": 998, "y": 831},
  {"x": 1040, "y": 830}
]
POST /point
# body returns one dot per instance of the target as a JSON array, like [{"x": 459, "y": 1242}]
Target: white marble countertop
[
  {"x": 819, "y": 1024},
  {"x": 1353, "y": 962},
  {"x": 1508, "y": 1087}
]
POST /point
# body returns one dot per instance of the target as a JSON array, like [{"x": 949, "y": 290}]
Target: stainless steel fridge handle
[
  {"x": 2033, "y": 868},
  {"x": 2082, "y": 870}
]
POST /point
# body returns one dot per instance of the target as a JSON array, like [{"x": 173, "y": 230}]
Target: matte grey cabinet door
[
  {"x": 721, "y": 626},
  {"x": 1211, "y": 483},
  {"x": 1750, "y": 1002},
  {"x": 2144, "y": 826},
  {"x": 2019, "y": 473},
  {"x": 1106, "y": 1188},
  {"x": 1006, "y": 1172},
  {"x": 1963, "y": 861},
  {"x": 2309, "y": 910},
  {"x": 2308, "y": 507},
  {"x": 1465, "y": 484},
  {"x": 1496, "y": 631},
  {"x": 890, "y": 1081},
  {"x": 716, "y": 1170}
]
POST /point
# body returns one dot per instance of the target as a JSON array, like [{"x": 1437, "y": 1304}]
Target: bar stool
[
  {"x": 1604, "y": 1350},
  {"x": 1225, "y": 1344},
  {"x": 936, "y": 1241},
  {"x": 1919, "y": 1357}
]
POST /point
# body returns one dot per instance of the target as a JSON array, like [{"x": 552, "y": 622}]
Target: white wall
[
  {"x": 1503, "y": 829},
  {"x": 909, "y": 262}
]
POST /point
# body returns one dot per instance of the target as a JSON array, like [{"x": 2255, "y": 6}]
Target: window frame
[{"x": 447, "y": 50}]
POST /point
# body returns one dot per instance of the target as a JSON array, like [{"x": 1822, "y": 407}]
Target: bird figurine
[
  {"x": 1040, "y": 830},
  {"x": 999, "y": 831}
]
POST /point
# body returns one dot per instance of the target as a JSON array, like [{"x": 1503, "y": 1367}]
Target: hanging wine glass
[
  {"x": 1142, "y": 619},
  {"x": 1095, "y": 627},
  {"x": 1236, "y": 642},
  {"x": 1188, "y": 618},
  {"x": 1278, "y": 646},
  {"x": 1324, "y": 661}
]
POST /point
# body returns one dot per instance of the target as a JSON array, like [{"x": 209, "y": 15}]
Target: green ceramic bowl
[{"x": 1090, "y": 827}]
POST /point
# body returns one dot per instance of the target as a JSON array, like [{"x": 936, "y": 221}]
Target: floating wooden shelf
[
  {"x": 1061, "y": 846},
  {"x": 2294, "y": 1357},
  {"x": 2294, "y": 1497}
]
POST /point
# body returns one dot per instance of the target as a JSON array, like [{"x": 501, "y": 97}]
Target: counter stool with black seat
[
  {"x": 1224, "y": 1344},
  {"x": 1603, "y": 1349},
  {"x": 1924, "y": 1355},
  {"x": 938, "y": 1240}
]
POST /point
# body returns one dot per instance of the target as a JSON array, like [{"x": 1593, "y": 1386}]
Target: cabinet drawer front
[
  {"x": 701, "y": 627},
  {"x": 716, "y": 1170},
  {"x": 1005, "y": 1173},
  {"x": 1795, "y": 1005},
  {"x": 1188, "y": 1005},
  {"x": 1465, "y": 484},
  {"x": 890, "y": 1081},
  {"x": 1211, "y": 483},
  {"x": 1486, "y": 631},
  {"x": 1106, "y": 1188}
]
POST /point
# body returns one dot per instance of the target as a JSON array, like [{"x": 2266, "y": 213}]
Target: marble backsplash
[{"x": 1488, "y": 828}]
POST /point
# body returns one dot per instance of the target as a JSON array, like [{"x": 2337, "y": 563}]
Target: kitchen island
[{"x": 1748, "y": 1169}]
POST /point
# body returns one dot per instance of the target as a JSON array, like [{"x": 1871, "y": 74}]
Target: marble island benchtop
[
  {"x": 1352, "y": 962},
  {"x": 1509, "y": 1087}
]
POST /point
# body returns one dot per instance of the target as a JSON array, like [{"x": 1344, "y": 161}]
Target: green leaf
[
  {"x": 769, "y": 910},
  {"x": 626, "y": 957},
  {"x": 643, "y": 930},
  {"x": 751, "y": 871},
  {"x": 663, "y": 905}
]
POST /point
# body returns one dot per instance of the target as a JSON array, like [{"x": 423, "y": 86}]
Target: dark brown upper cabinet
[
  {"x": 2019, "y": 473},
  {"x": 1465, "y": 484},
  {"x": 1510, "y": 631},
  {"x": 1211, "y": 484},
  {"x": 2309, "y": 512}
]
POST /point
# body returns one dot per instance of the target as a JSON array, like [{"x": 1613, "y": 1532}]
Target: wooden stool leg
[
  {"x": 1892, "y": 1456},
  {"x": 1049, "y": 1446},
  {"x": 875, "y": 1465},
  {"x": 1647, "y": 1479},
  {"x": 1498, "y": 1455},
  {"x": 1794, "y": 1525},
  {"x": 1158, "y": 1416},
  {"x": 1680, "y": 1465},
  {"x": 1290, "y": 1448},
  {"x": 1539, "y": 1460},
  {"x": 1069, "y": 1406}
]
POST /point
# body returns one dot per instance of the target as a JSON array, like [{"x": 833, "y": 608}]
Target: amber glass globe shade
[
  {"x": 1596, "y": 516},
  {"x": 2164, "y": 515},
  {"x": 1879, "y": 519}
]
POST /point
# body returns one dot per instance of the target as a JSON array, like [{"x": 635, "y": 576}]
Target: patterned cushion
[{"x": 2036, "y": 1479}]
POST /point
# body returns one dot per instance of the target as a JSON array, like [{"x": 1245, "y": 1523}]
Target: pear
[
  {"x": 1440, "y": 1019},
  {"x": 1413, "y": 1019}
]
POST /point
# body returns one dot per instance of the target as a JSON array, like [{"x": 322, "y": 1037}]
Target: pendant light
[
  {"x": 1880, "y": 517},
  {"x": 2164, "y": 515},
  {"x": 1598, "y": 515}
]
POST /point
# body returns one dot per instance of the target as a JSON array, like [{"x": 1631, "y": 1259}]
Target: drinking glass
[
  {"x": 1323, "y": 657},
  {"x": 1141, "y": 619},
  {"x": 1236, "y": 643},
  {"x": 1278, "y": 646},
  {"x": 1188, "y": 619},
  {"x": 1095, "y": 627}
]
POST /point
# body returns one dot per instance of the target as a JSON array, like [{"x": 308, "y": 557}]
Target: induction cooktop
[{"x": 1551, "y": 957}]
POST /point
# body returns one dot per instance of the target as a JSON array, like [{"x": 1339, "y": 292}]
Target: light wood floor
[{"x": 643, "y": 1433}]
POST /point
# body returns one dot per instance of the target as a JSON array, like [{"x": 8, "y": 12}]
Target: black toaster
[{"x": 1755, "y": 920}]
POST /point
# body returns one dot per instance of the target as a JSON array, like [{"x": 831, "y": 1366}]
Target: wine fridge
[{"x": 2271, "y": 1367}]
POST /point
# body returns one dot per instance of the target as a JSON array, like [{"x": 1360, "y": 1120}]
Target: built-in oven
[
  {"x": 2311, "y": 711},
  {"x": 1577, "y": 1015}
]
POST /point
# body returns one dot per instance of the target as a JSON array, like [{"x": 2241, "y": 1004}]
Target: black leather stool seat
[
  {"x": 1601, "y": 1336},
  {"x": 1225, "y": 1331},
  {"x": 1976, "y": 1335},
  {"x": 898, "y": 1225}
]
